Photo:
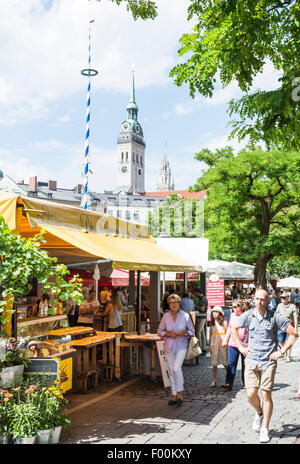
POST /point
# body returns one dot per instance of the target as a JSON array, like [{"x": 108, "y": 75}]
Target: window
[
  {"x": 137, "y": 158},
  {"x": 122, "y": 156},
  {"x": 119, "y": 214},
  {"x": 136, "y": 215},
  {"x": 127, "y": 215},
  {"x": 126, "y": 155},
  {"x": 133, "y": 157}
]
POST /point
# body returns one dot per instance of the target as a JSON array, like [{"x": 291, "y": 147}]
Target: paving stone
[{"x": 139, "y": 413}]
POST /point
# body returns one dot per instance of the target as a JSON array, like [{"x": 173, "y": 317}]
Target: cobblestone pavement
[{"x": 138, "y": 412}]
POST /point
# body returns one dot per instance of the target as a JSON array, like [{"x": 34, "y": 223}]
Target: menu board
[
  {"x": 163, "y": 363},
  {"x": 215, "y": 292}
]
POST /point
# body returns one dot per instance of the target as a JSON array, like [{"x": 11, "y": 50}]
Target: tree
[
  {"x": 252, "y": 206},
  {"x": 21, "y": 260},
  {"x": 144, "y": 9},
  {"x": 233, "y": 39}
]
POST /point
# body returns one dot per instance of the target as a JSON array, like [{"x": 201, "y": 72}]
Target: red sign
[
  {"x": 191, "y": 275},
  {"x": 215, "y": 293}
]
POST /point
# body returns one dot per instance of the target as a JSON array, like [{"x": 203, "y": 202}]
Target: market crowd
[{"x": 262, "y": 328}]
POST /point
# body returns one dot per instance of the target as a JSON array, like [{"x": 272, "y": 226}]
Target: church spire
[
  {"x": 132, "y": 96},
  {"x": 165, "y": 181},
  {"x": 132, "y": 108}
]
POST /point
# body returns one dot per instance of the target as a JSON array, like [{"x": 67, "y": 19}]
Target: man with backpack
[{"x": 261, "y": 357}]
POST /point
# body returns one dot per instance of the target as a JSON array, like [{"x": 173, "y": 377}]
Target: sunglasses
[
  {"x": 238, "y": 306},
  {"x": 284, "y": 297}
]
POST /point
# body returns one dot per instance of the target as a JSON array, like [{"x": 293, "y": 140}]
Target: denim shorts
[{"x": 282, "y": 336}]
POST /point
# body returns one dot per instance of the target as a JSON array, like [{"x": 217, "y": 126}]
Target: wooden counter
[
  {"x": 139, "y": 342},
  {"x": 75, "y": 332},
  {"x": 87, "y": 363}
]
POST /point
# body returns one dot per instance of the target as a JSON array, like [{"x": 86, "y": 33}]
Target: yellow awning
[
  {"x": 8, "y": 209},
  {"x": 126, "y": 253},
  {"x": 72, "y": 231}
]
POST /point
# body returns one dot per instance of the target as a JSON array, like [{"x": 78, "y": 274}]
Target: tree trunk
[{"x": 260, "y": 272}]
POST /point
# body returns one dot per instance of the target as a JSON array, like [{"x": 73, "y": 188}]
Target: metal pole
[
  {"x": 89, "y": 72},
  {"x": 138, "y": 303}
]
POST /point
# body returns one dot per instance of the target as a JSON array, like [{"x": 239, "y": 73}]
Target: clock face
[
  {"x": 125, "y": 126},
  {"x": 140, "y": 172},
  {"x": 124, "y": 169},
  {"x": 137, "y": 128}
]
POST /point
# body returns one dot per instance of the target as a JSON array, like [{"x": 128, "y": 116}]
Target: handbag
[{"x": 194, "y": 349}]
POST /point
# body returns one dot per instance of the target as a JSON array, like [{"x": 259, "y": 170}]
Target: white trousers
[{"x": 175, "y": 361}]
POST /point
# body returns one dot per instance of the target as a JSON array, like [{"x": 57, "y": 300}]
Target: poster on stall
[
  {"x": 160, "y": 346},
  {"x": 215, "y": 291}
]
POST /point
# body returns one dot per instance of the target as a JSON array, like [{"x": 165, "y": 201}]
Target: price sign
[{"x": 160, "y": 346}]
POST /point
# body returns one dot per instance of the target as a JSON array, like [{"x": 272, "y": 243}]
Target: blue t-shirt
[
  {"x": 187, "y": 305},
  {"x": 262, "y": 339}
]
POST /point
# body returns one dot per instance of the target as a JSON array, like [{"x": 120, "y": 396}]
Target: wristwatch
[{"x": 282, "y": 352}]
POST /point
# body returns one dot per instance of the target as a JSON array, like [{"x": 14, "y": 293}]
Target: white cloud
[{"x": 44, "y": 50}]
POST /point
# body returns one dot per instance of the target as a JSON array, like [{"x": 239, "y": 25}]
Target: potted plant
[
  {"x": 56, "y": 403},
  {"x": 5, "y": 416},
  {"x": 12, "y": 362},
  {"x": 24, "y": 423},
  {"x": 50, "y": 406}
]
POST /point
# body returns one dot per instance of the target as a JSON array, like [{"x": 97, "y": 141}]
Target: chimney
[
  {"x": 33, "y": 183},
  {"x": 79, "y": 188},
  {"x": 52, "y": 184}
]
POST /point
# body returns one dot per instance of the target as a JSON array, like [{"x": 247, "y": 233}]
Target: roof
[{"x": 182, "y": 193}]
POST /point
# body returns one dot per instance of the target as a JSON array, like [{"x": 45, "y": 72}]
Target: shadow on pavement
[{"x": 140, "y": 411}]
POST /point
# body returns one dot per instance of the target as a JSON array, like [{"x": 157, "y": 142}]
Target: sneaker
[
  {"x": 264, "y": 436},
  {"x": 257, "y": 422}
]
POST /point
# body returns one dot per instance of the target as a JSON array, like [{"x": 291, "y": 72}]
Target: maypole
[{"x": 89, "y": 72}]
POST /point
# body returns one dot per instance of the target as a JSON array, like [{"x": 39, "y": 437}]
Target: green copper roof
[{"x": 131, "y": 124}]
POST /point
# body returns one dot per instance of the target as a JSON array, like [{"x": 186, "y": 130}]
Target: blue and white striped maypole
[{"x": 89, "y": 72}]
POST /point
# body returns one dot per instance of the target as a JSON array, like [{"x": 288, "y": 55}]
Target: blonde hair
[
  {"x": 116, "y": 302},
  {"x": 241, "y": 304},
  {"x": 174, "y": 297}
]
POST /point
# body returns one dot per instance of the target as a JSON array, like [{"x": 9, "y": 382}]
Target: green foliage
[
  {"x": 144, "y": 9},
  {"x": 21, "y": 259},
  {"x": 26, "y": 409},
  {"x": 233, "y": 40},
  {"x": 252, "y": 206},
  {"x": 285, "y": 266}
]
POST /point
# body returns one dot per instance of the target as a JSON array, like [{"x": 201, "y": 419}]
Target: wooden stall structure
[{"x": 73, "y": 236}]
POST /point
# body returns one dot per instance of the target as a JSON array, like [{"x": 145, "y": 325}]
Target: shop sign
[
  {"x": 215, "y": 292},
  {"x": 190, "y": 275},
  {"x": 160, "y": 346}
]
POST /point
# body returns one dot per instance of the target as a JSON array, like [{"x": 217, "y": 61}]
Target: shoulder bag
[{"x": 194, "y": 349}]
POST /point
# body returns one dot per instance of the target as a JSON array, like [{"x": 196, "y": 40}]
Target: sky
[{"x": 44, "y": 47}]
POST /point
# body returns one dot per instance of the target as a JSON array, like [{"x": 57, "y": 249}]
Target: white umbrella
[{"x": 289, "y": 282}]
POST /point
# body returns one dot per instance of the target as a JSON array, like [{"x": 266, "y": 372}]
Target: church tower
[
  {"x": 165, "y": 182},
  {"x": 131, "y": 150}
]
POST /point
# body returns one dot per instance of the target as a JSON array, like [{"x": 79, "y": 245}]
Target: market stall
[{"x": 76, "y": 236}]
